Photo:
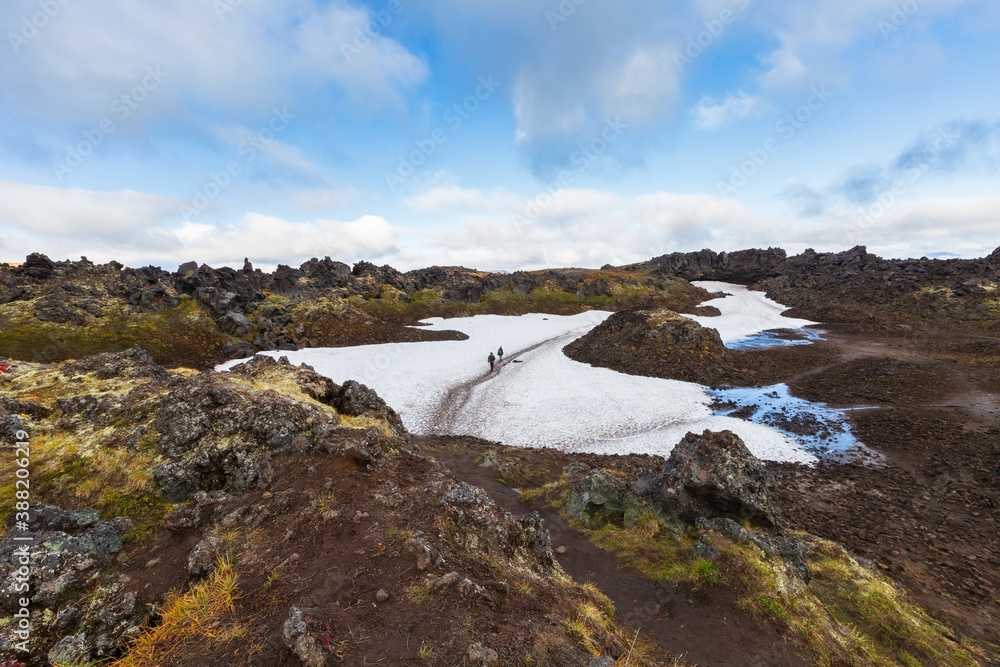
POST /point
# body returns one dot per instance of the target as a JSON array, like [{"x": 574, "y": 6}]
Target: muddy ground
[{"x": 927, "y": 401}]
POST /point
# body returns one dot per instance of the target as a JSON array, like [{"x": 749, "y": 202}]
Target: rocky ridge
[
  {"x": 200, "y": 315},
  {"x": 854, "y": 286}
]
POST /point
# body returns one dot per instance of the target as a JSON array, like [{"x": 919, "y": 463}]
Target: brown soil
[
  {"x": 331, "y": 566},
  {"x": 929, "y": 515},
  {"x": 702, "y": 625}
]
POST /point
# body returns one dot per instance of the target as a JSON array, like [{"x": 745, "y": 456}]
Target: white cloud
[
  {"x": 255, "y": 55},
  {"x": 962, "y": 225},
  {"x": 79, "y": 212},
  {"x": 589, "y": 228},
  {"x": 452, "y": 198},
  {"x": 272, "y": 240},
  {"x": 639, "y": 88},
  {"x": 709, "y": 115},
  {"x": 785, "y": 69},
  {"x": 489, "y": 230},
  {"x": 139, "y": 229}
]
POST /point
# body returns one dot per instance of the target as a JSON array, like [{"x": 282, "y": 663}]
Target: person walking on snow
[
  {"x": 492, "y": 359},
  {"x": 500, "y": 354}
]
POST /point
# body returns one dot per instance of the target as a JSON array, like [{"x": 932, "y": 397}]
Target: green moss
[
  {"x": 145, "y": 512},
  {"x": 773, "y": 608},
  {"x": 183, "y": 335},
  {"x": 847, "y": 615}
]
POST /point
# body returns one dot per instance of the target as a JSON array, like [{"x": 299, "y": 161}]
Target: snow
[
  {"x": 540, "y": 397},
  {"x": 744, "y": 313}
]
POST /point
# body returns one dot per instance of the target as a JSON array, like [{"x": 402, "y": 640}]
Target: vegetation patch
[
  {"x": 847, "y": 614},
  {"x": 205, "y": 615},
  {"x": 184, "y": 334}
]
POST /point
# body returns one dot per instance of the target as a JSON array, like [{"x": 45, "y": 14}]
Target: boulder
[
  {"x": 203, "y": 557},
  {"x": 38, "y": 266},
  {"x": 186, "y": 268},
  {"x": 237, "y": 349},
  {"x": 235, "y": 324},
  {"x": 356, "y": 399},
  {"x": 597, "y": 492},
  {"x": 712, "y": 475},
  {"x": 69, "y": 650}
]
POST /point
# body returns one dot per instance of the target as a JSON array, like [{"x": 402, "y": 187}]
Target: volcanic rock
[{"x": 712, "y": 475}]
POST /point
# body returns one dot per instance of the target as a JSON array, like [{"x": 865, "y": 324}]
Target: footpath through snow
[{"x": 541, "y": 398}]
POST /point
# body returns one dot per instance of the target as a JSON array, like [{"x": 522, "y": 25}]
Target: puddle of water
[
  {"x": 821, "y": 430},
  {"x": 775, "y": 339}
]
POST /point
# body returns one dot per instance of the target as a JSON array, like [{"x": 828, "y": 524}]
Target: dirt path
[
  {"x": 704, "y": 626},
  {"x": 447, "y": 413}
]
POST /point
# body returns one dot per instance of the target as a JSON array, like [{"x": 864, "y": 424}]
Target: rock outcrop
[
  {"x": 710, "y": 476},
  {"x": 68, "y": 551},
  {"x": 741, "y": 266},
  {"x": 656, "y": 342}
]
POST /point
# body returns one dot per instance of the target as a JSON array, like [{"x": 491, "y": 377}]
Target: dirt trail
[
  {"x": 704, "y": 626},
  {"x": 446, "y": 415}
]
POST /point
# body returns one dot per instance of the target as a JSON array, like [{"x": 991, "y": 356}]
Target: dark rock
[
  {"x": 356, "y": 399},
  {"x": 10, "y": 426},
  {"x": 237, "y": 349},
  {"x": 183, "y": 518},
  {"x": 203, "y": 557},
  {"x": 599, "y": 491},
  {"x": 235, "y": 324},
  {"x": 154, "y": 299},
  {"x": 68, "y": 546},
  {"x": 704, "y": 550},
  {"x": 742, "y": 266},
  {"x": 70, "y": 650},
  {"x": 186, "y": 268},
  {"x": 658, "y": 342},
  {"x": 712, "y": 475},
  {"x": 46, "y": 518},
  {"x": 38, "y": 267}
]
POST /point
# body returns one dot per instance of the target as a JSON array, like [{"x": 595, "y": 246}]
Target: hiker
[
  {"x": 492, "y": 359},
  {"x": 500, "y": 354}
]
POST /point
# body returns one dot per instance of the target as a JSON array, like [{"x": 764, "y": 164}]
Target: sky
[{"x": 496, "y": 134}]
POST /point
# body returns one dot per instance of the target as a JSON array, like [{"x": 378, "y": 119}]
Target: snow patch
[
  {"x": 745, "y": 314},
  {"x": 538, "y": 397}
]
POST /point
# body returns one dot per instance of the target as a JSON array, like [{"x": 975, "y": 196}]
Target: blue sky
[{"x": 497, "y": 135}]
